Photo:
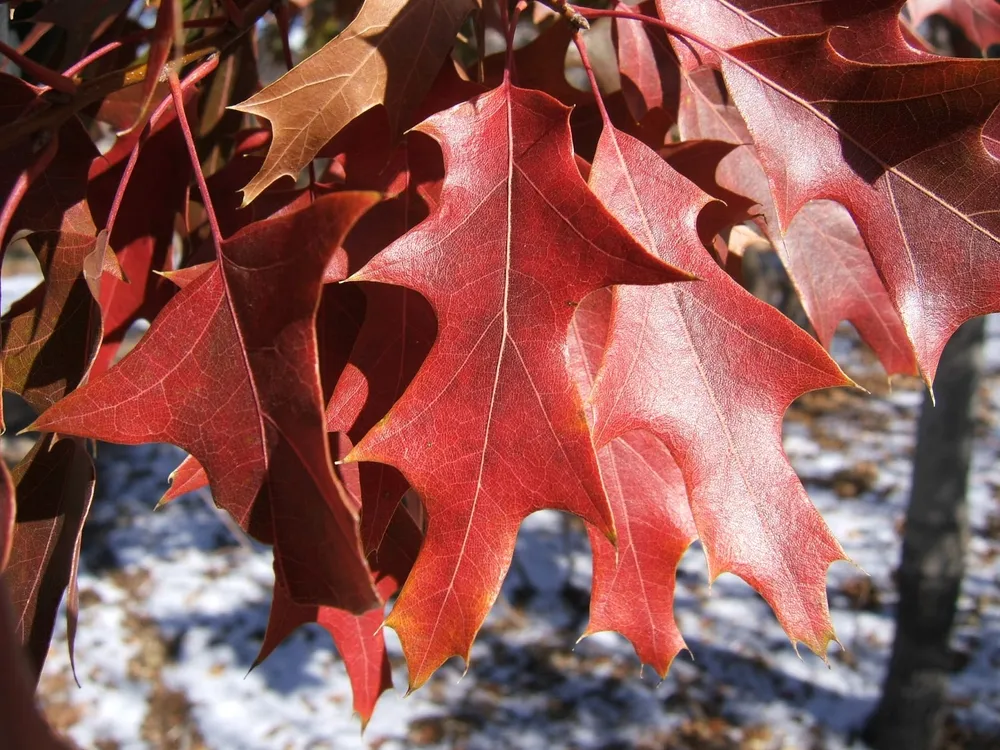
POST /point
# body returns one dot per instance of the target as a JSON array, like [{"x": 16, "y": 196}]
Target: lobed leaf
[
  {"x": 378, "y": 59},
  {"x": 922, "y": 197},
  {"x": 515, "y": 243},
  {"x": 240, "y": 343},
  {"x": 710, "y": 371},
  {"x": 634, "y": 580}
]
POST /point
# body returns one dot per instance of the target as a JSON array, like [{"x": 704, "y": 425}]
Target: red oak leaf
[
  {"x": 649, "y": 71},
  {"x": 379, "y": 59},
  {"x": 827, "y": 127},
  {"x": 710, "y": 371},
  {"x": 822, "y": 250},
  {"x": 633, "y": 591},
  {"x": 516, "y": 242},
  {"x": 359, "y": 638},
  {"x": 239, "y": 343},
  {"x": 337, "y": 324}
]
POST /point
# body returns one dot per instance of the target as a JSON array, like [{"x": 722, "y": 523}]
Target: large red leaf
[
  {"x": 55, "y": 485},
  {"x": 710, "y": 370},
  {"x": 229, "y": 372},
  {"x": 633, "y": 589},
  {"x": 827, "y": 127},
  {"x": 516, "y": 242},
  {"x": 822, "y": 250},
  {"x": 337, "y": 324}
]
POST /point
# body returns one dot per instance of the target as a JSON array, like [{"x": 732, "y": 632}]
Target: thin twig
[
  {"x": 585, "y": 61},
  {"x": 194, "y": 77},
  {"x": 178, "y": 96},
  {"x": 54, "y": 114},
  {"x": 47, "y": 76}
]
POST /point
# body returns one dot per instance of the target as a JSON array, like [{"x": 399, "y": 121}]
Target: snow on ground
[{"x": 174, "y": 605}]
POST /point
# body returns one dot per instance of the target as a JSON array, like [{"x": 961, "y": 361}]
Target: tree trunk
[{"x": 934, "y": 545}]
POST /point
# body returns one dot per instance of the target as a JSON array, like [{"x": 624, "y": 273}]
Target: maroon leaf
[
  {"x": 55, "y": 485},
  {"x": 826, "y": 127},
  {"x": 832, "y": 270},
  {"x": 240, "y": 342}
]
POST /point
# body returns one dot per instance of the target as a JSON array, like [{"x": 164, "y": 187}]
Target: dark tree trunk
[{"x": 934, "y": 545}]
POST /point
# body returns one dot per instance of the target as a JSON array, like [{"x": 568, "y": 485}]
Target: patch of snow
[{"x": 180, "y": 578}]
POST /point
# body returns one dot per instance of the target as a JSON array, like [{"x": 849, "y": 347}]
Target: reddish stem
[
  {"x": 198, "y": 23},
  {"x": 194, "y": 77},
  {"x": 178, "y": 97},
  {"x": 49, "y": 77},
  {"x": 585, "y": 61},
  {"x": 510, "y": 71},
  {"x": 668, "y": 27},
  {"x": 23, "y": 182},
  {"x": 97, "y": 54}
]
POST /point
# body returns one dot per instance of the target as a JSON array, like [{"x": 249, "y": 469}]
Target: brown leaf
[{"x": 389, "y": 55}]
